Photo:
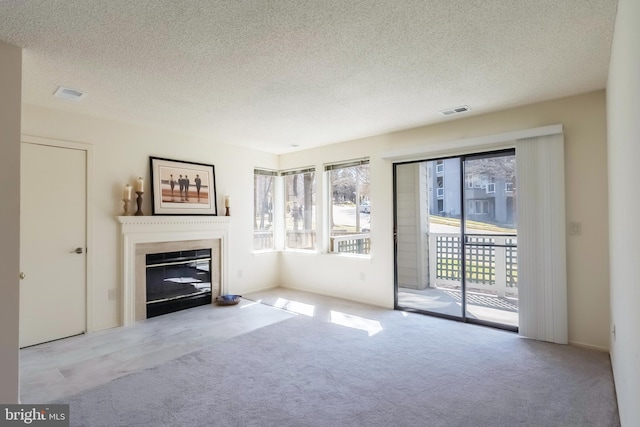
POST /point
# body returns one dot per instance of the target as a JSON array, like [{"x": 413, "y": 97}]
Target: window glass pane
[
  {"x": 300, "y": 210},
  {"x": 350, "y": 209},
  {"x": 263, "y": 208}
]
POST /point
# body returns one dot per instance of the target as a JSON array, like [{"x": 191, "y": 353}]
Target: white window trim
[
  {"x": 279, "y": 228},
  {"x": 281, "y": 244},
  {"x": 275, "y": 174},
  {"x": 326, "y": 209},
  {"x": 467, "y": 146}
]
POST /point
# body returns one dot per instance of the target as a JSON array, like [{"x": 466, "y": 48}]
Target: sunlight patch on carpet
[
  {"x": 296, "y": 307},
  {"x": 371, "y": 327},
  {"x": 251, "y": 304}
]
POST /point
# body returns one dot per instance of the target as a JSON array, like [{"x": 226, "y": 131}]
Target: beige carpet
[{"x": 412, "y": 370}]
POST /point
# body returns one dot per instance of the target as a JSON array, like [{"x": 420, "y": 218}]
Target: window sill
[
  {"x": 348, "y": 255},
  {"x": 299, "y": 251},
  {"x": 264, "y": 251}
]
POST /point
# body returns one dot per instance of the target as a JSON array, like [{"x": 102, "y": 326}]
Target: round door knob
[
  {"x": 76, "y": 251},
  {"x": 22, "y": 276}
]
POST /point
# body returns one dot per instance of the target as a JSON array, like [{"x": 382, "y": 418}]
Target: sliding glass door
[{"x": 456, "y": 238}]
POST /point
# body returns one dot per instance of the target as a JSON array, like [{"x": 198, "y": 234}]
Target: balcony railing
[
  {"x": 355, "y": 243},
  {"x": 351, "y": 244},
  {"x": 300, "y": 239},
  {"x": 262, "y": 240},
  {"x": 491, "y": 262}
]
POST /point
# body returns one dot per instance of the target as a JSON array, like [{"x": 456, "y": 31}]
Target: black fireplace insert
[{"x": 178, "y": 280}]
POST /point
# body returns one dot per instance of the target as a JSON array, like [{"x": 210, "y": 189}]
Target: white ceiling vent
[
  {"x": 70, "y": 94},
  {"x": 456, "y": 110}
]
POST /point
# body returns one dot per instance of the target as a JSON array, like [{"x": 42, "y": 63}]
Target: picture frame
[{"x": 182, "y": 188}]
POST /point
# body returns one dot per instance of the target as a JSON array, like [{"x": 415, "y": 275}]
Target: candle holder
[
  {"x": 127, "y": 205},
  {"x": 139, "y": 202}
]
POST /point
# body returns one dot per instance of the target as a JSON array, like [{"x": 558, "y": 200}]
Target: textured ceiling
[{"x": 270, "y": 74}]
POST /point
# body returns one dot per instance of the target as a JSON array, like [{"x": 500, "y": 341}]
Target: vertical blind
[
  {"x": 347, "y": 164},
  {"x": 542, "y": 274}
]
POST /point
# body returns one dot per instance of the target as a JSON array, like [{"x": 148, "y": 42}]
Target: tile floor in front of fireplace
[{"x": 59, "y": 369}]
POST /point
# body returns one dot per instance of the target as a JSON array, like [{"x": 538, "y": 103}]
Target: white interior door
[{"x": 52, "y": 243}]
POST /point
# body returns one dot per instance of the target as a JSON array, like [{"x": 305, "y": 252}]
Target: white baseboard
[{"x": 589, "y": 346}]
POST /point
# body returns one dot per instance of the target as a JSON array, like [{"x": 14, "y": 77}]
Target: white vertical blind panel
[{"x": 542, "y": 274}]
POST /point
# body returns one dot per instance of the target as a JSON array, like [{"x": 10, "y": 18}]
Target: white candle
[
  {"x": 226, "y": 201},
  {"x": 140, "y": 185},
  {"x": 126, "y": 192}
]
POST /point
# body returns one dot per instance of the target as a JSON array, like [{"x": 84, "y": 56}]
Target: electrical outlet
[
  {"x": 239, "y": 274},
  {"x": 112, "y": 294},
  {"x": 614, "y": 332},
  {"x": 575, "y": 228}
]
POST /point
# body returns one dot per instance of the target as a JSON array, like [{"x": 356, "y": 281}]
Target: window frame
[
  {"x": 330, "y": 243},
  {"x": 274, "y": 174},
  {"x": 314, "y": 210}
]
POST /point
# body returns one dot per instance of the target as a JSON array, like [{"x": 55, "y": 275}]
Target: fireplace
[
  {"x": 177, "y": 280},
  {"x": 149, "y": 235}
]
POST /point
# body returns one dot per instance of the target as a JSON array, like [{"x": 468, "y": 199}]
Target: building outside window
[
  {"x": 300, "y": 209},
  {"x": 440, "y": 189},
  {"x": 478, "y": 207},
  {"x": 263, "y": 192},
  {"x": 491, "y": 186},
  {"x": 349, "y": 207}
]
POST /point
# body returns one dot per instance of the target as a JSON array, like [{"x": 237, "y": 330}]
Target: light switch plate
[{"x": 575, "y": 228}]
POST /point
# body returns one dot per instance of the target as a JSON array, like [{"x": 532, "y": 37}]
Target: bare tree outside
[
  {"x": 349, "y": 190},
  {"x": 299, "y": 209},
  {"x": 263, "y": 208}
]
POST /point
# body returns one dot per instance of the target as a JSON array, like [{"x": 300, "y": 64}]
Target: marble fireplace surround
[{"x": 153, "y": 234}]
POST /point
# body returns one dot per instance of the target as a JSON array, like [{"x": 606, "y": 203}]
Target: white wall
[
  {"x": 10, "y": 88},
  {"x": 341, "y": 275},
  {"x": 623, "y": 104},
  {"x": 121, "y": 153},
  {"x": 584, "y": 120}
]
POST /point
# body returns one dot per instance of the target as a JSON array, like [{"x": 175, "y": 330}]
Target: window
[
  {"x": 491, "y": 186},
  {"x": 300, "y": 209},
  {"x": 440, "y": 192},
  {"x": 479, "y": 181},
  {"x": 348, "y": 191},
  {"x": 439, "y": 166},
  {"x": 510, "y": 185},
  {"x": 263, "y": 190},
  {"x": 478, "y": 207},
  {"x": 469, "y": 180}
]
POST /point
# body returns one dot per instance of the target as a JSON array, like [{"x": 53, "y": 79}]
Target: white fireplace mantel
[{"x": 157, "y": 229}]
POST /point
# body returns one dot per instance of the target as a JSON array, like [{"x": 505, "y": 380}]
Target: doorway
[
  {"x": 53, "y": 242},
  {"x": 455, "y": 224}
]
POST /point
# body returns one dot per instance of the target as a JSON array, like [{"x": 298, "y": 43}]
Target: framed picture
[{"x": 182, "y": 188}]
